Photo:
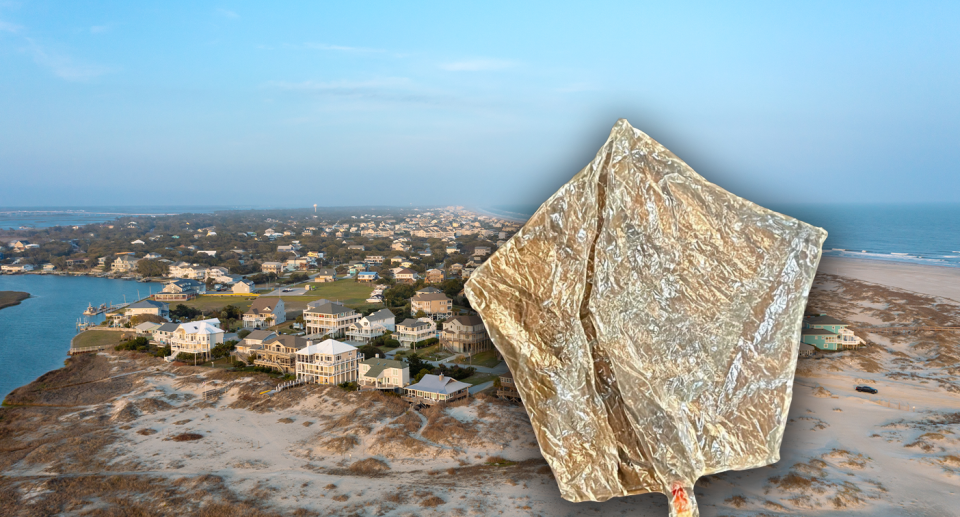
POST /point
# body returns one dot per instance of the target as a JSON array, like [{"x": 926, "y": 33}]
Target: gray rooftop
[
  {"x": 377, "y": 366},
  {"x": 330, "y": 308},
  {"x": 412, "y": 323},
  {"x": 147, "y": 304},
  {"x": 439, "y": 384}
]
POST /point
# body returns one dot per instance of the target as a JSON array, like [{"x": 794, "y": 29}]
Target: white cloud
[
  {"x": 226, "y": 13},
  {"x": 9, "y": 27},
  {"x": 62, "y": 66},
  {"x": 477, "y": 65}
]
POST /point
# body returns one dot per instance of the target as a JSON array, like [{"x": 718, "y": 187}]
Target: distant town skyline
[{"x": 391, "y": 104}]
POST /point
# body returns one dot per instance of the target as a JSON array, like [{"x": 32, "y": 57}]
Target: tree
[
  {"x": 416, "y": 364},
  {"x": 452, "y": 287},
  {"x": 420, "y": 314},
  {"x": 420, "y": 374},
  {"x": 398, "y": 295},
  {"x": 369, "y": 351},
  {"x": 184, "y": 313},
  {"x": 149, "y": 267},
  {"x": 223, "y": 349}
]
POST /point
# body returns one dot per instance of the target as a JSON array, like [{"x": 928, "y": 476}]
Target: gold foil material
[{"x": 651, "y": 321}]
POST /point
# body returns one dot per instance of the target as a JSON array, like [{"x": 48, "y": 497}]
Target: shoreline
[
  {"x": 486, "y": 213},
  {"x": 942, "y": 281}
]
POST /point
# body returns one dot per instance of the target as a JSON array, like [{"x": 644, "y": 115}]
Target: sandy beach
[{"x": 931, "y": 280}]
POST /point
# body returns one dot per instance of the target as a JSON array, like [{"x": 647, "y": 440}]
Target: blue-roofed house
[{"x": 367, "y": 276}]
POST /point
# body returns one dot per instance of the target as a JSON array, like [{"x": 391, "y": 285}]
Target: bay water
[{"x": 35, "y": 335}]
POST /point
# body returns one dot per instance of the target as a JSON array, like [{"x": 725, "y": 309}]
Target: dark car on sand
[{"x": 867, "y": 389}]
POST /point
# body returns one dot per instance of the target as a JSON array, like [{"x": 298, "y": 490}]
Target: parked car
[{"x": 867, "y": 389}]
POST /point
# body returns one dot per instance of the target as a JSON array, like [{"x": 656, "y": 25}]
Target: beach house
[
  {"x": 436, "y": 389},
  {"x": 433, "y": 276},
  {"x": 828, "y": 333},
  {"x": 181, "y": 291},
  {"x": 195, "y": 337},
  {"x": 328, "y": 362},
  {"x": 465, "y": 334},
  {"x": 367, "y": 276},
  {"x": 151, "y": 307},
  {"x": 371, "y": 326},
  {"x": 330, "y": 318},
  {"x": 506, "y": 387},
  {"x": 435, "y": 305},
  {"x": 124, "y": 263},
  {"x": 280, "y": 352},
  {"x": 406, "y": 276},
  {"x": 410, "y": 331},
  {"x": 383, "y": 374},
  {"x": 265, "y": 312},
  {"x": 272, "y": 267},
  {"x": 242, "y": 287},
  {"x": 326, "y": 275}
]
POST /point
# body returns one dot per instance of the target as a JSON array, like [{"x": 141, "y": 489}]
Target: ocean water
[
  {"x": 35, "y": 335},
  {"x": 45, "y": 217},
  {"x": 916, "y": 233}
]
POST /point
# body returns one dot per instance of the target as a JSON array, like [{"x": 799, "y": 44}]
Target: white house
[
  {"x": 329, "y": 319},
  {"x": 328, "y": 362},
  {"x": 243, "y": 287},
  {"x": 374, "y": 325},
  {"x": 411, "y": 331},
  {"x": 16, "y": 268},
  {"x": 195, "y": 337}
]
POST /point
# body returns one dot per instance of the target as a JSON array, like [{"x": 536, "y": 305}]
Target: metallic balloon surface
[{"x": 651, "y": 321}]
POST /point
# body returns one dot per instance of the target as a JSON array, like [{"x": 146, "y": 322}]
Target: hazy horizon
[{"x": 480, "y": 105}]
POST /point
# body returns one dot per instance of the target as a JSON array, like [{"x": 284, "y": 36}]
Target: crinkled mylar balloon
[{"x": 651, "y": 322}]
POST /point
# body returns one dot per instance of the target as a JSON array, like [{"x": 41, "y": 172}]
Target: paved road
[
  {"x": 480, "y": 387},
  {"x": 499, "y": 369},
  {"x": 294, "y": 291}
]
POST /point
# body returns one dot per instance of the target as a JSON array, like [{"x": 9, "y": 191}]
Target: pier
[{"x": 93, "y": 311}]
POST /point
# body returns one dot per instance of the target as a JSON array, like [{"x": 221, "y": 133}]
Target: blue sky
[{"x": 480, "y": 104}]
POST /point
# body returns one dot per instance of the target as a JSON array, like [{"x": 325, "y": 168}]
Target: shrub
[
  {"x": 186, "y": 437},
  {"x": 426, "y": 342},
  {"x": 140, "y": 344},
  {"x": 348, "y": 386},
  {"x": 243, "y": 333}
]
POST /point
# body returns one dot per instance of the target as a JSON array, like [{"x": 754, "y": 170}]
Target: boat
[{"x": 90, "y": 310}]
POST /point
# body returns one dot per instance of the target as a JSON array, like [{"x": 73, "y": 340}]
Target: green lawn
[
  {"x": 95, "y": 338},
  {"x": 347, "y": 292},
  {"x": 479, "y": 378},
  {"x": 207, "y": 302},
  {"x": 487, "y": 358}
]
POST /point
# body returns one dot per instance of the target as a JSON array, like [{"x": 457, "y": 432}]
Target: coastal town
[
  {"x": 331, "y": 365},
  {"x": 354, "y": 301}
]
